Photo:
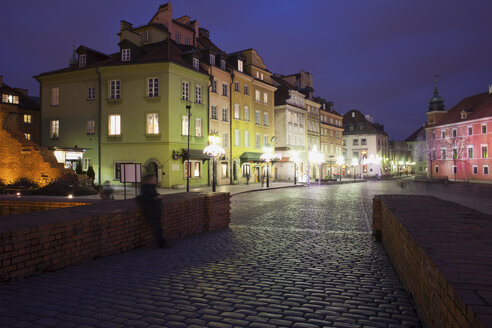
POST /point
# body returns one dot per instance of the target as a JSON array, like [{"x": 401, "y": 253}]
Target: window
[
  {"x": 198, "y": 94},
  {"x": 224, "y": 89},
  {"x": 470, "y": 130},
  {"x": 212, "y": 59},
  {"x": 193, "y": 169},
  {"x": 91, "y": 127},
  {"x": 443, "y": 153},
  {"x": 265, "y": 98},
  {"x": 224, "y": 166},
  {"x": 114, "y": 125},
  {"x": 114, "y": 89},
  {"x": 236, "y": 86},
  {"x": 27, "y": 136},
  {"x": 55, "y": 96},
  {"x": 257, "y": 74},
  {"x": 91, "y": 93},
  {"x": 258, "y": 141},
  {"x": 237, "y": 138},
  {"x": 246, "y": 170},
  {"x": 117, "y": 169},
  {"x": 257, "y": 117},
  {"x": 484, "y": 128},
  {"x": 153, "y": 87},
  {"x": 147, "y": 35},
  {"x": 82, "y": 60},
  {"x": 224, "y": 115},
  {"x": 27, "y": 119},
  {"x": 265, "y": 119},
  {"x": 246, "y": 89},
  {"x": 475, "y": 169},
  {"x": 178, "y": 37},
  {"x": 237, "y": 115},
  {"x": 214, "y": 86},
  {"x": 198, "y": 127},
  {"x": 184, "y": 125},
  {"x": 239, "y": 65},
  {"x": 86, "y": 164},
  {"x": 185, "y": 88},
  {"x": 196, "y": 64},
  {"x": 246, "y": 138},
  {"x": 187, "y": 40},
  {"x": 455, "y": 133},
  {"x": 363, "y": 142},
  {"x": 265, "y": 141},
  {"x": 261, "y": 76},
  {"x": 356, "y": 142},
  {"x": 222, "y": 64},
  {"x": 443, "y": 134},
  {"x": 152, "y": 123},
  {"x": 455, "y": 170},
  {"x": 485, "y": 169},
  {"x": 54, "y": 129},
  {"x": 257, "y": 96},
  {"x": 213, "y": 112},
  {"x": 125, "y": 55},
  {"x": 225, "y": 140},
  {"x": 485, "y": 153},
  {"x": 11, "y": 99},
  {"x": 246, "y": 113},
  {"x": 437, "y": 168}
]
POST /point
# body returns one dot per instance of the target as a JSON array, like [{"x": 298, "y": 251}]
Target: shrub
[
  {"x": 91, "y": 174},
  {"x": 64, "y": 186}
]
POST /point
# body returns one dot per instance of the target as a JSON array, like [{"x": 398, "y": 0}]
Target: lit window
[
  {"x": 237, "y": 115},
  {"x": 27, "y": 119},
  {"x": 212, "y": 59},
  {"x": 114, "y": 125},
  {"x": 246, "y": 113},
  {"x": 152, "y": 123},
  {"x": 225, "y": 169},
  {"x": 246, "y": 138},
  {"x": 185, "y": 88},
  {"x": 125, "y": 55},
  {"x": 257, "y": 96},
  {"x": 153, "y": 87},
  {"x": 86, "y": 164},
  {"x": 198, "y": 94},
  {"x": 55, "y": 96},
  {"x": 257, "y": 74},
  {"x": 224, "y": 115},
  {"x": 114, "y": 89},
  {"x": 258, "y": 141},
  {"x": 265, "y": 140},
  {"x": 91, "y": 127},
  {"x": 178, "y": 37},
  {"x": 27, "y": 136},
  {"x": 240, "y": 65},
  {"x": 265, "y": 98},
  {"x": 91, "y": 93},
  {"x": 261, "y": 76},
  {"x": 184, "y": 125},
  {"x": 237, "y": 138},
  {"x": 198, "y": 127},
  {"x": 196, "y": 64},
  {"x": 54, "y": 129},
  {"x": 82, "y": 60},
  {"x": 213, "y": 112},
  {"x": 485, "y": 153}
]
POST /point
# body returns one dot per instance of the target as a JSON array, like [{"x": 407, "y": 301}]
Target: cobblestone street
[{"x": 295, "y": 257}]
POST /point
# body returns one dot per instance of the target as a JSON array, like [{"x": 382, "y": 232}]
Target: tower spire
[{"x": 436, "y": 102}]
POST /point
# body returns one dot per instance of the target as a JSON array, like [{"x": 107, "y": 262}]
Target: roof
[
  {"x": 417, "y": 135},
  {"x": 358, "y": 119},
  {"x": 25, "y": 102},
  {"x": 477, "y": 106}
]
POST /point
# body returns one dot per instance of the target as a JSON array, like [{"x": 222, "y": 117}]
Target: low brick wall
[
  {"x": 32, "y": 243},
  {"x": 442, "y": 253},
  {"x": 15, "y": 206}
]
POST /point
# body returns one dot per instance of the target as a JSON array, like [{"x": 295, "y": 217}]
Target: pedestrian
[{"x": 151, "y": 203}]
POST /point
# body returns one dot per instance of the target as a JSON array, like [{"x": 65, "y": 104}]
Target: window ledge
[
  {"x": 152, "y": 134},
  {"x": 113, "y": 101},
  {"x": 152, "y": 99}
]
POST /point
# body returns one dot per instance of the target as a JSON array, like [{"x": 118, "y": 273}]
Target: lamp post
[
  {"x": 214, "y": 151},
  {"x": 294, "y": 157},
  {"x": 318, "y": 158},
  {"x": 331, "y": 166},
  {"x": 267, "y": 157},
  {"x": 340, "y": 162},
  {"x": 355, "y": 162},
  {"x": 188, "y": 107}
]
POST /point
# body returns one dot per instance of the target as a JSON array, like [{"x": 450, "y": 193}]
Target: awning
[
  {"x": 194, "y": 154},
  {"x": 250, "y": 157}
]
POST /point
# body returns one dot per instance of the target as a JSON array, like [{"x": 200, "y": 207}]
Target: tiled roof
[
  {"x": 417, "y": 135},
  {"x": 477, "y": 106},
  {"x": 25, "y": 102},
  {"x": 360, "y": 120}
]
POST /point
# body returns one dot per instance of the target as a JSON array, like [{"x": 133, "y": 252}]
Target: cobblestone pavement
[{"x": 296, "y": 257}]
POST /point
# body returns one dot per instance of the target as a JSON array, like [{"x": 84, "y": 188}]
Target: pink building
[{"x": 458, "y": 140}]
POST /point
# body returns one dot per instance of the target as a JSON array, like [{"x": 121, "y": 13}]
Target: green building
[{"x": 130, "y": 107}]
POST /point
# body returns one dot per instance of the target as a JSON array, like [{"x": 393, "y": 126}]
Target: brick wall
[
  {"x": 429, "y": 243},
  {"x": 32, "y": 243},
  {"x": 12, "y": 207}
]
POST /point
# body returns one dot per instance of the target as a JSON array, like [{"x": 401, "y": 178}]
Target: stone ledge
[{"x": 443, "y": 255}]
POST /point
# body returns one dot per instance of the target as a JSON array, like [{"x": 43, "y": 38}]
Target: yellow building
[
  {"x": 252, "y": 109},
  {"x": 331, "y": 138}
]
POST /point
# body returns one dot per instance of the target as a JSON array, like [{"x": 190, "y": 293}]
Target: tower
[{"x": 436, "y": 106}]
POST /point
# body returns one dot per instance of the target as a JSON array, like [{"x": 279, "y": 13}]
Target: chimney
[
  {"x": 1, "y": 81},
  {"x": 23, "y": 91},
  {"x": 124, "y": 25},
  {"x": 164, "y": 15},
  {"x": 490, "y": 87},
  {"x": 204, "y": 33}
]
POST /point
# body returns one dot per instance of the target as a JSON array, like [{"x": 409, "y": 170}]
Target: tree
[
  {"x": 428, "y": 147},
  {"x": 91, "y": 174},
  {"x": 456, "y": 144}
]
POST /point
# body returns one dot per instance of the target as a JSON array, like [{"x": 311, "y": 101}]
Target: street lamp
[
  {"x": 267, "y": 157},
  {"x": 214, "y": 151},
  {"x": 318, "y": 158},
  {"x": 188, "y": 107},
  {"x": 294, "y": 157},
  {"x": 340, "y": 162}
]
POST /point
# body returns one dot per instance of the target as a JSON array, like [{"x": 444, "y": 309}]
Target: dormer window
[
  {"x": 222, "y": 64},
  {"x": 212, "y": 59},
  {"x": 125, "y": 55},
  {"x": 82, "y": 60},
  {"x": 261, "y": 76},
  {"x": 11, "y": 99},
  {"x": 239, "y": 65},
  {"x": 196, "y": 64},
  {"x": 147, "y": 36},
  {"x": 257, "y": 74},
  {"x": 178, "y": 37}
]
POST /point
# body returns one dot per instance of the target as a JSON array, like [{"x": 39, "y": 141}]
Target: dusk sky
[{"x": 379, "y": 57}]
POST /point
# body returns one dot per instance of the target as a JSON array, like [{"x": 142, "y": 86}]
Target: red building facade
[{"x": 459, "y": 140}]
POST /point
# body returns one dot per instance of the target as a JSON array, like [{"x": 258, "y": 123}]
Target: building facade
[
  {"x": 331, "y": 139},
  {"x": 416, "y": 144}
]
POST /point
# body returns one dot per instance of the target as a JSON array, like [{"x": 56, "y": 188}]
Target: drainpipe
[
  {"x": 230, "y": 127},
  {"x": 208, "y": 113},
  {"x": 99, "y": 118}
]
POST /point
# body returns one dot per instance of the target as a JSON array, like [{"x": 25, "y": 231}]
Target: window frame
[
  {"x": 114, "y": 89},
  {"x": 55, "y": 96},
  {"x": 152, "y": 123},
  {"x": 114, "y": 125},
  {"x": 198, "y": 127},
  {"x": 198, "y": 94},
  {"x": 82, "y": 60},
  {"x": 54, "y": 129},
  {"x": 153, "y": 87},
  {"x": 126, "y": 55},
  {"x": 185, "y": 90}
]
